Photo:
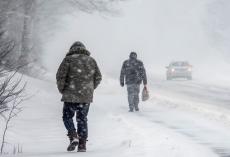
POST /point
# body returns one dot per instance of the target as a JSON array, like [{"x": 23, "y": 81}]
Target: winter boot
[
  {"x": 73, "y": 137},
  {"x": 130, "y": 110},
  {"x": 82, "y": 145},
  {"x": 137, "y": 109}
]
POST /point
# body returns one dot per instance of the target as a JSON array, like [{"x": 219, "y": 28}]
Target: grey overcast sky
[{"x": 160, "y": 31}]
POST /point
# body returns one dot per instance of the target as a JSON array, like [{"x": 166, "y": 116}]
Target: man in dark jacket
[
  {"x": 77, "y": 78},
  {"x": 133, "y": 72}
]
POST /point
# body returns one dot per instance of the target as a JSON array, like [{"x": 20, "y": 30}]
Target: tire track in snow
[
  {"x": 222, "y": 151},
  {"x": 160, "y": 139},
  {"x": 210, "y": 100},
  {"x": 212, "y": 135}
]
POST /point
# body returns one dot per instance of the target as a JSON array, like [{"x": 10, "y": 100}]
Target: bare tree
[
  {"x": 13, "y": 98},
  {"x": 11, "y": 88},
  {"x": 28, "y": 22},
  {"x": 6, "y": 46},
  {"x": 26, "y": 45}
]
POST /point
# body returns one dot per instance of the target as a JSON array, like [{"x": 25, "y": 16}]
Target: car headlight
[{"x": 189, "y": 69}]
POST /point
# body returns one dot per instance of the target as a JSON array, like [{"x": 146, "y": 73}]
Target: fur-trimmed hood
[
  {"x": 78, "y": 48},
  {"x": 78, "y": 51}
]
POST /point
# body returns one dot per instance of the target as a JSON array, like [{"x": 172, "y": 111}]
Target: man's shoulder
[
  {"x": 67, "y": 59},
  {"x": 91, "y": 59},
  {"x": 139, "y": 61},
  {"x": 126, "y": 61}
]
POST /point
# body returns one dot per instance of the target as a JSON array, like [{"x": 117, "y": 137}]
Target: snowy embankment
[{"x": 161, "y": 129}]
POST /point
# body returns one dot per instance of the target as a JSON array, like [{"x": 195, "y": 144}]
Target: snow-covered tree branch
[{"x": 28, "y": 21}]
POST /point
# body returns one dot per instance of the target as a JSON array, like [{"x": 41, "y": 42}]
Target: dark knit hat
[
  {"x": 77, "y": 45},
  {"x": 133, "y": 55}
]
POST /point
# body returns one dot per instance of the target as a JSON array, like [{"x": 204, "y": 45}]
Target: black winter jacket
[{"x": 133, "y": 72}]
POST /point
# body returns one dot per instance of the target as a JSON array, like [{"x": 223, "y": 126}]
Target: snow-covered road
[
  {"x": 180, "y": 120},
  {"x": 196, "y": 91},
  {"x": 199, "y": 111}
]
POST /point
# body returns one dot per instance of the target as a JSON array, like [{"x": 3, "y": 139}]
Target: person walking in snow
[
  {"x": 133, "y": 74},
  {"x": 77, "y": 78}
]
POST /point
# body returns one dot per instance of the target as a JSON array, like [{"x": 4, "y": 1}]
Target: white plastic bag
[{"x": 145, "y": 94}]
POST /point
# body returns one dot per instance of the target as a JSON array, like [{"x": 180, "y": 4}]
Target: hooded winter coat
[
  {"x": 133, "y": 71},
  {"x": 78, "y": 76}
]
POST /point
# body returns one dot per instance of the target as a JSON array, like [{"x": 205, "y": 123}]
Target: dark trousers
[{"x": 81, "y": 110}]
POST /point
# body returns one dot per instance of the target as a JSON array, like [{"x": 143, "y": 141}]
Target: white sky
[{"x": 158, "y": 30}]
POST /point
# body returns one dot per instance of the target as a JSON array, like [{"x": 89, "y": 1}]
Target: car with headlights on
[{"x": 179, "y": 69}]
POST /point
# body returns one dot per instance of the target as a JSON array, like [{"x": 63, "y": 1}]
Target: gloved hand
[{"x": 122, "y": 84}]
